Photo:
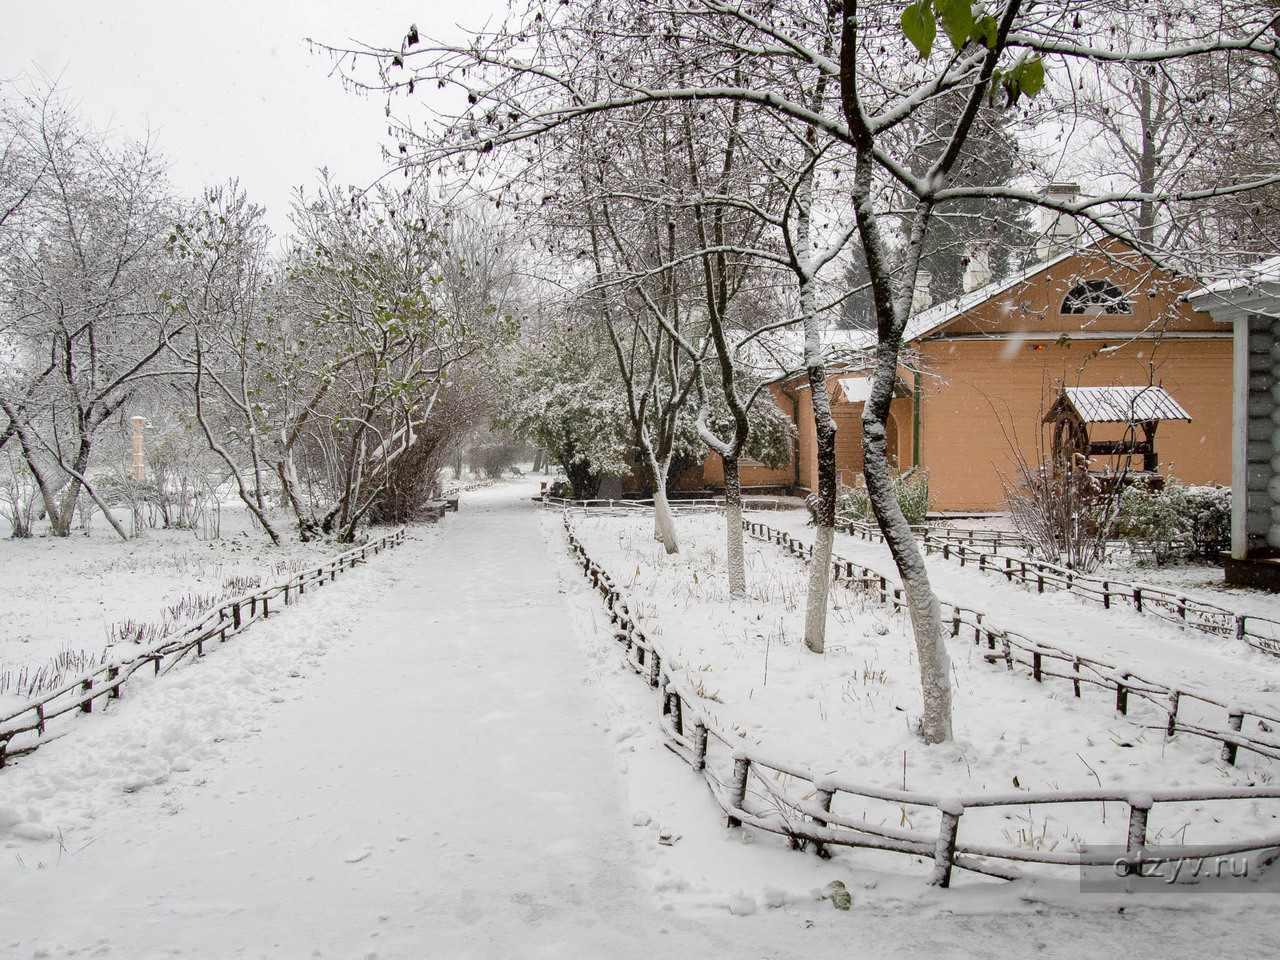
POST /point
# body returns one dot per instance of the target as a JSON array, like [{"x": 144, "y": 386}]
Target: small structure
[
  {"x": 139, "y": 464},
  {"x": 1078, "y": 409},
  {"x": 1251, "y": 303}
]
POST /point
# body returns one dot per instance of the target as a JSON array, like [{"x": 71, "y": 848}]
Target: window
[{"x": 1094, "y": 297}]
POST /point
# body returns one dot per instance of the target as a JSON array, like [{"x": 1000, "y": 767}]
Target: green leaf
[
  {"x": 984, "y": 30},
  {"x": 957, "y": 21},
  {"x": 1031, "y": 80},
  {"x": 919, "y": 27}
]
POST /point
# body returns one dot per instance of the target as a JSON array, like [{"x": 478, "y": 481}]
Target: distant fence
[
  {"x": 27, "y": 725},
  {"x": 817, "y": 811},
  {"x": 1261, "y": 633},
  {"x": 1047, "y": 662},
  {"x": 699, "y": 505}
]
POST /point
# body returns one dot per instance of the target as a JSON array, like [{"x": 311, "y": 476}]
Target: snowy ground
[
  {"x": 67, "y": 599},
  {"x": 439, "y": 755}
]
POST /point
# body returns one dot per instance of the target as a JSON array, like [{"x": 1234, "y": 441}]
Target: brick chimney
[
  {"x": 1059, "y": 232},
  {"x": 977, "y": 265},
  {"x": 139, "y": 465}
]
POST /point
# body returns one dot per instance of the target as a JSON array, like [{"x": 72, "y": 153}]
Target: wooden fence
[
  {"x": 1048, "y": 662},
  {"x": 1173, "y": 606},
  {"x": 818, "y": 811},
  {"x": 24, "y": 730},
  {"x": 699, "y": 505}
]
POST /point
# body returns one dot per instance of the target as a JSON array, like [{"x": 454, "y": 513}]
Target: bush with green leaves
[
  {"x": 911, "y": 489},
  {"x": 1177, "y": 522}
]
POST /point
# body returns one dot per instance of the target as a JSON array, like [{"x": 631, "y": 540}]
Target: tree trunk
[
  {"x": 733, "y": 529},
  {"x": 664, "y": 527},
  {"x": 922, "y": 603}
]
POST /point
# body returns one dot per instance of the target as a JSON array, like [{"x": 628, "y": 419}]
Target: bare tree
[{"x": 543, "y": 71}]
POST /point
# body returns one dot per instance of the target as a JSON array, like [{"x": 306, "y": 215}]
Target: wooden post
[
  {"x": 1008, "y": 567},
  {"x": 1075, "y": 683},
  {"x": 884, "y": 590},
  {"x": 266, "y": 609},
  {"x": 1240, "y": 628},
  {"x": 738, "y": 787},
  {"x": 955, "y": 621},
  {"x": 655, "y": 666},
  {"x": 1036, "y": 660},
  {"x": 676, "y": 712},
  {"x": 1139, "y": 808},
  {"x": 4, "y": 750},
  {"x": 235, "y": 615},
  {"x": 1039, "y": 580},
  {"x": 286, "y": 594},
  {"x": 1171, "y": 726},
  {"x": 823, "y": 796},
  {"x": 87, "y": 706},
  {"x": 945, "y": 849},
  {"x": 40, "y": 719},
  {"x": 1137, "y": 599},
  {"x": 699, "y": 746},
  {"x": 1106, "y": 595},
  {"x": 1235, "y": 720},
  {"x": 1122, "y": 695}
]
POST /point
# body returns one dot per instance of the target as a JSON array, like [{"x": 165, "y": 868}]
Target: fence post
[
  {"x": 1008, "y": 566},
  {"x": 1122, "y": 695},
  {"x": 1240, "y": 628},
  {"x": 1137, "y": 599},
  {"x": 699, "y": 746},
  {"x": 945, "y": 849},
  {"x": 655, "y": 665},
  {"x": 1139, "y": 808},
  {"x": 87, "y": 686},
  {"x": 40, "y": 719},
  {"x": 266, "y": 610},
  {"x": 1036, "y": 660},
  {"x": 1075, "y": 682},
  {"x": 1106, "y": 595},
  {"x": 738, "y": 787},
  {"x": 1174, "y": 697},
  {"x": 235, "y": 615},
  {"x": 823, "y": 796},
  {"x": 1235, "y": 721}
]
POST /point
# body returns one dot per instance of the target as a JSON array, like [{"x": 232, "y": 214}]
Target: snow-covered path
[{"x": 438, "y": 784}]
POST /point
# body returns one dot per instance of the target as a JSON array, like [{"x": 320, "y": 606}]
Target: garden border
[
  {"x": 1169, "y": 605},
  {"x": 228, "y": 619},
  {"x": 753, "y": 788}
]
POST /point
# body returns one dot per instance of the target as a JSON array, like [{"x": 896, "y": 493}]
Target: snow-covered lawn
[
  {"x": 853, "y": 710},
  {"x": 65, "y": 600},
  {"x": 444, "y": 754}
]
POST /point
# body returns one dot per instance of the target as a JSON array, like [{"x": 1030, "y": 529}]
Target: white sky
[{"x": 228, "y": 86}]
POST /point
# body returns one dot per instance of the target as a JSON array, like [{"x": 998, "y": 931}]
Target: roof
[
  {"x": 940, "y": 314},
  {"x": 856, "y": 389},
  {"x": 1253, "y": 290},
  {"x": 1268, "y": 271},
  {"x": 1125, "y": 404}
]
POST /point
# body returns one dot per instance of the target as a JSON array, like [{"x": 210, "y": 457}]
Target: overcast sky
[{"x": 228, "y": 87}]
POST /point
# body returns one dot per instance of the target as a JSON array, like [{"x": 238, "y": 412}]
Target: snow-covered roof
[
  {"x": 1125, "y": 404},
  {"x": 1268, "y": 271},
  {"x": 940, "y": 314},
  {"x": 856, "y": 389},
  {"x": 1255, "y": 289}
]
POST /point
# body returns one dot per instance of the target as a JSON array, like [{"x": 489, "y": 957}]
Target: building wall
[{"x": 981, "y": 400}]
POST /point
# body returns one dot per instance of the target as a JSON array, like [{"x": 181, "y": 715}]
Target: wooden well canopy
[{"x": 1079, "y": 408}]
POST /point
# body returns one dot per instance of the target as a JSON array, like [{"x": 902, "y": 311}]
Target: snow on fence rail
[
  {"x": 700, "y": 505},
  {"x": 817, "y": 811},
  {"x": 1046, "y": 661},
  {"x": 28, "y": 724},
  {"x": 1260, "y": 633}
]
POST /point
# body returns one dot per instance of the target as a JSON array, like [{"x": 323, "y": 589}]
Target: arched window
[{"x": 1095, "y": 297}]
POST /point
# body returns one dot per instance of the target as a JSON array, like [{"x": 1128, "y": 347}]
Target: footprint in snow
[{"x": 355, "y": 856}]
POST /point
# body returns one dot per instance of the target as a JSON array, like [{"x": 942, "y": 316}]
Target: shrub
[
  {"x": 1176, "y": 523},
  {"x": 911, "y": 489},
  {"x": 1064, "y": 511}
]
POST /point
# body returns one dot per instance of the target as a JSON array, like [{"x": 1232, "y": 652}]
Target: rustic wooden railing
[
  {"x": 24, "y": 730},
  {"x": 1173, "y": 606},
  {"x": 1046, "y": 662},
  {"x": 818, "y": 811},
  {"x": 700, "y": 505}
]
